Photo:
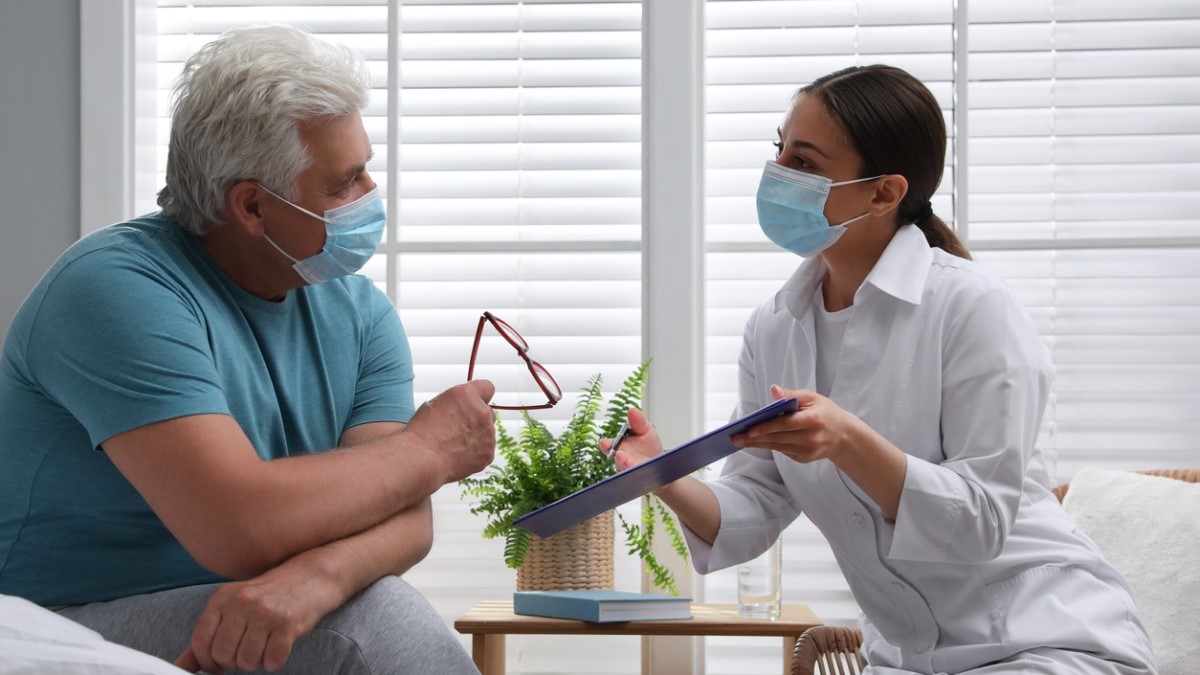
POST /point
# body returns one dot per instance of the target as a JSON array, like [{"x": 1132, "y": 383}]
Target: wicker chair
[{"x": 830, "y": 650}]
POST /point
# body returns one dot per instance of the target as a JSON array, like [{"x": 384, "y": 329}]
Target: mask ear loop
[
  {"x": 301, "y": 208},
  {"x": 285, "y": 253},
  {"x": 268, "y": 190},
  {"x": 832, "y": 185},
  {"x": 852, "y": 220},
  {"x": 849, "y": 182}
]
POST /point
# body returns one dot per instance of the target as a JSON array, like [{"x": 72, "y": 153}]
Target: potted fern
[{"x": 538, "y": 468}]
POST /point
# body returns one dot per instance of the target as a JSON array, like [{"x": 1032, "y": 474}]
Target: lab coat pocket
[{"x": 1063, "y": 607}]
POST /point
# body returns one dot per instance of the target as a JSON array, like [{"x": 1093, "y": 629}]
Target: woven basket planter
[{"x": 579, "y": 558}]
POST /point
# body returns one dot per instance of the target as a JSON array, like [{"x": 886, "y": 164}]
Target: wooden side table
[{"x": 489, "y": 622}]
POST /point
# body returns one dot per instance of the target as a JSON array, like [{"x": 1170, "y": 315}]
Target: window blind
[
  {"x": 517, "y": 132},
  {"x": 1084, "y": 132},
  {"x": 513, "y": 131}
]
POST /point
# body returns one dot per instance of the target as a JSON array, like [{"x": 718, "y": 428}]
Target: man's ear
[
  {"x": 244, "y": 207},
  {"x": 889, "y": 192}
]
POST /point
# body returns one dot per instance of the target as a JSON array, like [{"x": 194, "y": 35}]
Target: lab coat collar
[
  {"x": 904, "y": 266},
  {"x": 900, "y": 272},
  {"x": 796, "y": 294}
]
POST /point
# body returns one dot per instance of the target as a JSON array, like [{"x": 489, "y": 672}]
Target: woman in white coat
[{"x": 922, "y": 384}]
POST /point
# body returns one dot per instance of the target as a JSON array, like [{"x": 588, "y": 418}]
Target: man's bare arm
[
  {"x": 253, "y": 624},
  {"x": 239, "y": 516}
]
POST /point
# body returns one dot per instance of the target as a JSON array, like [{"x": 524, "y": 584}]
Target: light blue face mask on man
[
  {"x": 352, "y": 233},
  {"x": 791, "y": 209}
]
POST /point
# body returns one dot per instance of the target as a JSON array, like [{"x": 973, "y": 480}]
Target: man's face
[{"x": 340, "y": 150}]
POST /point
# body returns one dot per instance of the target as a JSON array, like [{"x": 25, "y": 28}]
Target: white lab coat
[{"x": 981, "y": 565}]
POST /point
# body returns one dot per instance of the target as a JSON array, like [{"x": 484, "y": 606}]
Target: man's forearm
[
  {"x": 391, "y": 547},
  {"x": 239, "y": 516}
]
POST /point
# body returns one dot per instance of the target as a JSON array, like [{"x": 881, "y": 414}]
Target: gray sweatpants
[{"x": 388, "y": 628}]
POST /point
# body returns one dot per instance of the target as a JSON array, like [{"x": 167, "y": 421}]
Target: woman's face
[{"x": 811, "y": 141}]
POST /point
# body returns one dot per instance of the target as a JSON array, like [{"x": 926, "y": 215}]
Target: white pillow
[
  {"x": 35, "y": 640},
  {"x": 1149, "y": 529}
]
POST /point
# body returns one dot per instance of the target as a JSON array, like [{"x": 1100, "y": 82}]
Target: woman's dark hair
[{"x": 895, "y": 125}]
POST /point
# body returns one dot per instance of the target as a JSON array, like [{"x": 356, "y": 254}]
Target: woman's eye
[{"x": 778, "y": 148}]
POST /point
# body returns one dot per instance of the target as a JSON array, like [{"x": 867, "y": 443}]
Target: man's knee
[{"x": 388, "y": 628}]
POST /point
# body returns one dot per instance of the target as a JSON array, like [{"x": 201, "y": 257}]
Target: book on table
[{"x": 602, "y": 606}]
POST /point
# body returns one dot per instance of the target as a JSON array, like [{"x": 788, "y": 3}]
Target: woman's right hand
[
  {"x": 692, "y": 501},
  {"x": 640, "y": 445}
]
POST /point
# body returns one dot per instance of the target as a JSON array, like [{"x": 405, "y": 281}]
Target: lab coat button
[
  {"x": 858, "y": 520},
  {"x": 923, "y": 647}
]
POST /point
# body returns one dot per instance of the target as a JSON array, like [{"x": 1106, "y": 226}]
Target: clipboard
[{"x": 647, "y": 476}]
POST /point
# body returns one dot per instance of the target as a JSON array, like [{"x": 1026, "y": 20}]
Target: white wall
[{"x": 39, "y": 142}]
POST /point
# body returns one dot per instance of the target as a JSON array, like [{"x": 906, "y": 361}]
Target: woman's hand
[
  {"x": 820, "y": 429},
  {"x": 692, "y": 501},
  {"x": 640, "y": 445},
  {"x": 252, "y": 625}
]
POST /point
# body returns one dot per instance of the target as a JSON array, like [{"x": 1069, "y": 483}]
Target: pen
[{"x": 612, "y": 449}]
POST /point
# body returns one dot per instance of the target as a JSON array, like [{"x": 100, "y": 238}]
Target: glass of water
[{"x": 760, "y": 587}]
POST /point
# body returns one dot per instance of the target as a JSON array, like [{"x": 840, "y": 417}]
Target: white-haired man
[{"x": 190, "y": 345}]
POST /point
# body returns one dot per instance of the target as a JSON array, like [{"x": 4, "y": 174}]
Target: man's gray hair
[{"x": 236, "y": 111}]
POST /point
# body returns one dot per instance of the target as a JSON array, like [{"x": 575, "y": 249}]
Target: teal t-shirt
[{"x": 136, "y": 324}]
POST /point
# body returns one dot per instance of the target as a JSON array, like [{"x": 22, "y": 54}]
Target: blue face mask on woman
[
  {"x": 791, "y": 209},
  {"x": 352, "y": 233}
]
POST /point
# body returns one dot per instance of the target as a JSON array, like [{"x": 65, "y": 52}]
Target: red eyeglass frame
[{"x": 553, "y": 391}]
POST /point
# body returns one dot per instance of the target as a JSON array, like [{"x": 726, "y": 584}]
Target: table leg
[
  {"x": 789, "y": 648},
  {"x": 487, "y": 650}
]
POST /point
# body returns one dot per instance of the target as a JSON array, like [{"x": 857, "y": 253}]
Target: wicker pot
[{"x": 575, "y": 559}]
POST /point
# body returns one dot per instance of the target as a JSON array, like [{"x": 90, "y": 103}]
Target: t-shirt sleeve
[
  {"x": 384, "y": 392},
  {"x": 119, "y": 344}
]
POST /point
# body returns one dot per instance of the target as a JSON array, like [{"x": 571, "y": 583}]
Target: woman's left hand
[{"x": 820, "y": 429}]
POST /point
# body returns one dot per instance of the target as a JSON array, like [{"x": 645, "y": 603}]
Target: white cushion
[
  {"x": 35, "y": 640},
  {"x": 1149, "y": 529}
]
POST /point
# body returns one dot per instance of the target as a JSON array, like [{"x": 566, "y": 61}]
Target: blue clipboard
[{"x": 647, "y": 476}]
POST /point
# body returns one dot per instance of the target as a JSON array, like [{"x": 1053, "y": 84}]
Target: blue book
[
  {"x": 647, "y": 476},
  {"x": 601, "y": 606}
]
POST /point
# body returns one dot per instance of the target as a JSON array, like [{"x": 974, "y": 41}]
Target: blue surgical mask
[
  {"x": 791, "y": 209},
  {"x": 352, "y": 233}
]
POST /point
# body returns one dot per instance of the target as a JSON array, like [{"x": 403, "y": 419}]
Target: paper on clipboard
[{"x": 647, "y": 476}]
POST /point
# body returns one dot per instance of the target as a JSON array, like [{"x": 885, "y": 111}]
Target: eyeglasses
[{"x": 542, "y": 376}]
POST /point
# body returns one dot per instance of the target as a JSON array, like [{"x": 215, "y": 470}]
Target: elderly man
[{"x": 207, "y": 429}]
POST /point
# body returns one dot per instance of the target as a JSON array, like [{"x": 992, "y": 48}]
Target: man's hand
[
  {"x": 252, "y": 625},
  {"x": 458, "y": 428}
]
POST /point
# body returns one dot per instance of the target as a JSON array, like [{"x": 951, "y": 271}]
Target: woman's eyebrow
[{"x": 801, "y": 145}]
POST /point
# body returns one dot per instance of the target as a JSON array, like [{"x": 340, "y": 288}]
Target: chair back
[
  {"x": 1185, "y": 475},
  {"x": 828, "y": 650}
]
